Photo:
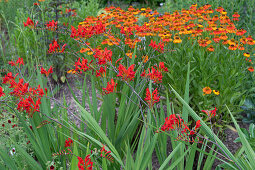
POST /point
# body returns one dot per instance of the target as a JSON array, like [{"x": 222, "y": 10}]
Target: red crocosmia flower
[
  {"x": 68, "y": 142},
  {"x": 177, "y": 124},
  {"x": 210, "y": 113},
  {"x": 1, "y": 92},
  {"x": 46, "y": 73},
  {"x": 162, "y": 67},
  {"x": 106, "y": 154},
  {"x": 151, "y": 98},
  {"x": 29, "y": 23},
  {"x": 63, "y": 48},
  {"x": 143, "y": 74},
  {"x": 52, "y": 24},
  {"x": 7, "y": 78},
  {"x": 18, "y": 62},
  {"x": 54, "y": 47},
  {"x": 101, "y": 72},
  {"x": 117, "y": 61},
  {"x": 155, "y": 75},
  {"x": 82, "y": 65},
  {"x": 29, "y": 105},
  {"x": 158, "y": 47},
  {"x": 85, "y": 164},
  {"x": 126, "y": 73},
  {"x": 197, "y": 125},
  {"x": 111, "y": 86},
  {"x": 103, "y": 56}
]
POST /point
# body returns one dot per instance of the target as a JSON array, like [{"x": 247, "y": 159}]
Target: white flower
[{"x": 12, "y": 151}]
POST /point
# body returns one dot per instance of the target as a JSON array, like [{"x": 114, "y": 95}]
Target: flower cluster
[
  {"x": 176, "y": 123},
  {"x": 103, "y": 56},
  {"x": 208, "y": 90},
  {"x": 210, "y": 113},
  {"x": 155, "y": 73},
  {"x": 106, "y": 154},
  {"x": 82, "y": 65},
  {"x": 54, "y": 47},
  {"x": 126, "y": 74},
  {"x": 18, "y": 62},
  {"x": 85, "y": 164},
  {"x": 151, "y": 98},
  {"x": 52, "y": 25},
  {"x": 29, "y": 99},
  {"x": 111, "y": 86},
  {"x": 29, "y": 23},
  {"x": 68, "y": 142},
  {"x": 46, "y": 73}
]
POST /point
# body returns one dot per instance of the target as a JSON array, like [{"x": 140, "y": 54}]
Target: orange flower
[
  {"x": 232, "y": 47},
  {"x": 236, "y": 15},
  {"x": 207, "y": 90},
  {"x": 145, "y": 58},
  {"x": 210, "y": 48}
]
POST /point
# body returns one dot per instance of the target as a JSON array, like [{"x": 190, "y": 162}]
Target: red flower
[
  {"x": 162, "y": 67},
  {"x": 63, "y": 48},
  {"x": 155, "y": 75},
  {"x": 210, "y": 113},
  {"x": 82, "y": 65},
  {"x": 251, "y": 69},
  {"x": 68, "y": 142},
  {"x": 46, "y": 73},
  {"x": 158, "y": 47},
  {"x": 29, "y": 22},
  {"x": 197, "y": 125},
  {"x": 7, "y": 78},
  {"x": 126, "y": 73},
  {"x": 106, "y": 154},
  {"x": 18, "y": 62},
  {"x": 1, "y": 92},
  {"x": 85, "y": 164},
  {"x": 54, "y": 46},
  {"x": 52, "y": 24},
  {"x": 52, "y": 167},
  {"x": 184, "y": 132},
  {"x": 151, "y": 98},
  {"x": 111, "y": 86},
  {"x": 103, "y": 56},
  {"x": 101, "y": 72}
]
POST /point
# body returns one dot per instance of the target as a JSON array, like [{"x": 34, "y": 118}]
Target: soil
[{"x": 230, "y": 134}]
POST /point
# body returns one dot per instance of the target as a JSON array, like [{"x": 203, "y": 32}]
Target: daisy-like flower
[
  {"x": 207, "y": 90},
  {"x": 251, "y": 69},
  {"x": 247, "y": 55},
  {"x": 216, "y": 92}
]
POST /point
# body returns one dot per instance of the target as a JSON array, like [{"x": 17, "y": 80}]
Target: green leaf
[
  {"x": 248, "y": 149},
  {"x": 8, "y": 161}
]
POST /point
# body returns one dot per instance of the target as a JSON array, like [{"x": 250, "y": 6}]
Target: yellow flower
[
  {"x": 247, "y": 55},
  {"x": 216, "y": 92},
  {"x": 71, "y": 71}
]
